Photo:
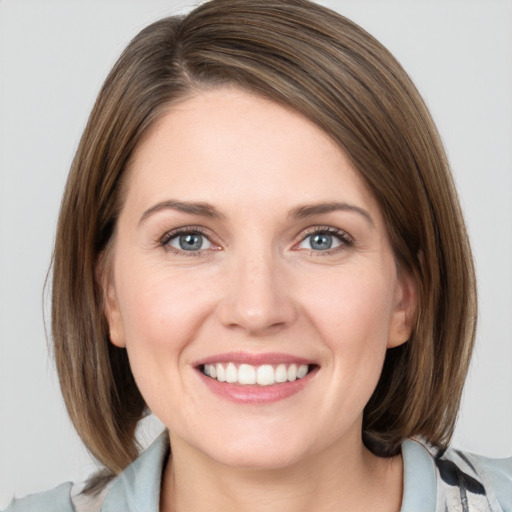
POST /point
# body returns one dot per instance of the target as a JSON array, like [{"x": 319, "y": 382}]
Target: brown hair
[{"x": 324, "y": 66}]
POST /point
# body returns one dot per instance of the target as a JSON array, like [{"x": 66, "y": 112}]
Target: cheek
[
  {"x": 354, "y": 322},
  {"x": 161, "y": 314},
  {"x": 154, "y": 298},
  {"x": 352, "y": 308}
]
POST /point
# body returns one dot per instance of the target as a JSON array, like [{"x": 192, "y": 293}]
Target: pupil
[
  {"x": 321, "y": 241},
  {"x": 190, "y": 242}
]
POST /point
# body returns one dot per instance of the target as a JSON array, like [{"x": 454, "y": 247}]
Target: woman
[{"x": 260, "y": 242}]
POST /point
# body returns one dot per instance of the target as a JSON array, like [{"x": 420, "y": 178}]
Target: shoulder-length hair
[{"x": 325, "y": 67}]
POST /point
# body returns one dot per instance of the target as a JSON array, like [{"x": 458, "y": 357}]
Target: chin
[
  {"x": 257, "y": 448},
  {"x": 257, "y": 458}
]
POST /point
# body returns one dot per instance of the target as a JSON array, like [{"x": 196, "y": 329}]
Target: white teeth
[
  {"x": 292, "y": 372},
  {"x": 246, "y": 374},
  {"x": 231, "y": 373},
  {"x": 281, "y": 373},
  {"x": 263, "y": 375},
  {"x": 302, "y": 371},
  {"x": 221, "y": 374}
]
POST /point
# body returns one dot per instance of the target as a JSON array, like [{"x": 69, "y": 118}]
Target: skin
[{"x": 256, "y": 286}]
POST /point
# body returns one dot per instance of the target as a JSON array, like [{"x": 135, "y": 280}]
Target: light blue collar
[
  {"x": 420, "y": 482},
  {"x": 137, "y": 488}
]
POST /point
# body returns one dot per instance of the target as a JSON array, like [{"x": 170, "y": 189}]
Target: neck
[{"x": 339, "y": 480}]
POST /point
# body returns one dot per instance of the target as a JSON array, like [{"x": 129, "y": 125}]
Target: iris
[
  {"x": 321, "y": 241},
  {"x": 191, "y": 242}
]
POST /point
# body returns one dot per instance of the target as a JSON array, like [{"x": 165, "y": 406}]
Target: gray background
[{"x": 54, "y": 56}]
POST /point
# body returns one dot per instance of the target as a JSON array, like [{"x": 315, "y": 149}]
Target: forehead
[{"x": 227, "y": 145}]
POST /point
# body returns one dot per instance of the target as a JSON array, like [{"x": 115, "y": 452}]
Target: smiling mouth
[{"x": 259, "y": 375}]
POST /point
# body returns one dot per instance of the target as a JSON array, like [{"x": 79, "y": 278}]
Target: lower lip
[{"x": 256, "y": 394}]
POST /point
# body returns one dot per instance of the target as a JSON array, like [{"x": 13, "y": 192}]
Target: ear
[
  {"x": 405, "y": 305},
  {"x": 105, "y": 277}
]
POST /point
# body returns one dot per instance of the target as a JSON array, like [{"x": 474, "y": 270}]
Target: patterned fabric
[{"x": 462, "y": 485}]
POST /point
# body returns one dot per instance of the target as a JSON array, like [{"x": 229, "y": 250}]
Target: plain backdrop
[{"x": 54, "y": 56}]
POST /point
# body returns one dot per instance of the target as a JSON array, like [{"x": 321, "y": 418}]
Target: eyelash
[
  {"x": 175, "y": 233},
  {"x": 345, "y": 240}
]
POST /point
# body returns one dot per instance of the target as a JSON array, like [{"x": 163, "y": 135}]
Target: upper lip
[{"x": 254, "y": 359}]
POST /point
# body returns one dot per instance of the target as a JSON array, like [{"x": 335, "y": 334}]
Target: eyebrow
[
  {"x": 309, "y": 210},
  {"x": 207, "y": 210},
  {"x": 194, "y": 208}
]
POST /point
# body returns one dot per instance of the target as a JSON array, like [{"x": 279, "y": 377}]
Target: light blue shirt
[{"x": 454, "y": 482}]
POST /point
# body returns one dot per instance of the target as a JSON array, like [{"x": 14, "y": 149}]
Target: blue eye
[
  {"x": 189, "y": 242},
  {"x": 325, "y": 240},
  {"x": 321, "y": 241}
]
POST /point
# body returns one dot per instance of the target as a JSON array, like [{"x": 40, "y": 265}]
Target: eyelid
[
  {"x": 345, "y": 239},
  {"x": 163, "y": 241},
  {"x": 172, "y": 233}
]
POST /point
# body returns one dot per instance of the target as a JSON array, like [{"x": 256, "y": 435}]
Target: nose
[{"x": 258, "y": 300}]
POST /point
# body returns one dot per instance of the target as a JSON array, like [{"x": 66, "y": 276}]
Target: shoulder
[
  {"x": 65, "y": 498},
  {"x": 55, "y": 500},
  {"x": 139, "y": 484},
  {"x": 466, "y": 481},
  {"x": 498, "y": 472}
]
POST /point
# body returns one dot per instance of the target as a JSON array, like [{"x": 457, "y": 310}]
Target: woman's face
[{"x": 247, "y": 253}]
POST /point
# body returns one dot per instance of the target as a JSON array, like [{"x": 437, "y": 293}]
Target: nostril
[{"x": 267, "y": 318}]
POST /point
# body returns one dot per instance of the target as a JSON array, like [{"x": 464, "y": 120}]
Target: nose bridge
[{"x": 257, "y": 300}]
